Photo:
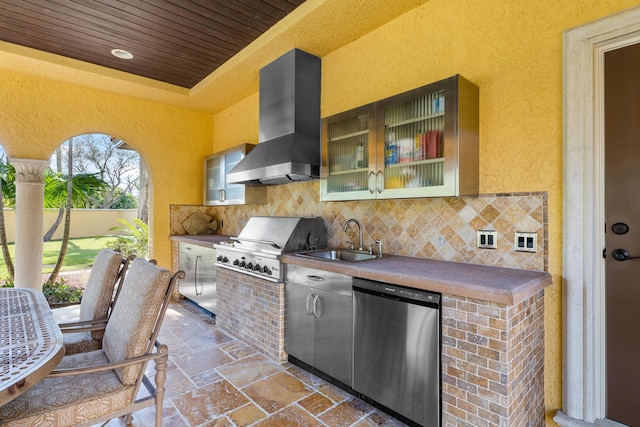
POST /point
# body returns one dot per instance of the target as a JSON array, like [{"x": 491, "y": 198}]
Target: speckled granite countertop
[
  {"x": 207, "y": 240},
  {"x": 503, "y": 285}
]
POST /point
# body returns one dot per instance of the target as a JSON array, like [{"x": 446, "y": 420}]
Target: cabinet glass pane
[
  {"x": 234, "y": 191},
  {"x": 348, "y": 154},
  {"x": 414, "y": 152},
  {"x": 215, "y": 178}
]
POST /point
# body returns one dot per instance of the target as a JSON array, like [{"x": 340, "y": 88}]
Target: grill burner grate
[{"x": 258, "y": 248}]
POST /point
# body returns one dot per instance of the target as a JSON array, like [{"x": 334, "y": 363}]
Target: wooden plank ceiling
[{"x": 174, "y": 41}]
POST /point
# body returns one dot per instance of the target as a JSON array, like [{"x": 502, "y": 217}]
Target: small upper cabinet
[
  {"x": 348, "y": 154},
  {"x": 217, "y": 191},
  {"x": 422, "y": 143}
]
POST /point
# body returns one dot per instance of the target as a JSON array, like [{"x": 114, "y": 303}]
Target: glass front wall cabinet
[
  {"x": 422, "y": 143},
  {"x": 217, "y": 191},
  {"x": 348, "y": 154}
]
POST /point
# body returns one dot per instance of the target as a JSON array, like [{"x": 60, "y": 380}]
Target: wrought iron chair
[
  {"x": 107, "y": 272},
  {"x": 100, "y": 385}
]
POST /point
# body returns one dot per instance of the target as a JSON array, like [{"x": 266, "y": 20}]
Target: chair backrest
[
  {"x": 136, "y": 318},
  {"x": 121, "y": 275},
  {"x": 98, "y": 293}
]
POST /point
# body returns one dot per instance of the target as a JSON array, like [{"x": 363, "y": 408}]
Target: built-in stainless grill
[{"x": 259, "y": 246}]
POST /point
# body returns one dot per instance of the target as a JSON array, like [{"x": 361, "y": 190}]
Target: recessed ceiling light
[{"x": 121, "y": 53}]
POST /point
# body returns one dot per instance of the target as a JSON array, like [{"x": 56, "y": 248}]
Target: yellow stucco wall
[
  {"x": 37, "y": 115},
  {"x": 512, "y": 50},
  {"x": 238, "y": 124}
]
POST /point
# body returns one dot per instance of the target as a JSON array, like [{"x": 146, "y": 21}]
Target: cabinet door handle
[
  {"x": 315, "y": 307},
  {"x": 195, "y": 282},
  {"x": 222, "y": 195},
  {"x": 371, "y": 185},
  {"x": 379, "y": 187},
  {"x": 309, "y": 312},
  {"x": 187, "y": 263}
]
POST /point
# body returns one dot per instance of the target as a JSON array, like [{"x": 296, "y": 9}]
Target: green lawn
[{"x": 80, "y": 254}]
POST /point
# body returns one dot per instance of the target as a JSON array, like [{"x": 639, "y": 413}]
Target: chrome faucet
[
  {"x": 379, "y": 243},
  {"x": 346, "y": 224}
]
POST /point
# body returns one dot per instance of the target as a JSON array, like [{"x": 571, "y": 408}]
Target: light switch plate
[
  {"x": 526, "y": 242},
  {"x": 487, "y": 239}
]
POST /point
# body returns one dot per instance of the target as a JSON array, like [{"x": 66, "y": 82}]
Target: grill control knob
[
  {"x": 219, "y": 258},
  {"x": 243, "y": 264},
  {"x": 257, "y": 267},
  {"x": 236, "y": 262},
  {"x": 265, "y": 269},
  {"x": 225, "y": 259},
  {"x": 250, "y": 266}
]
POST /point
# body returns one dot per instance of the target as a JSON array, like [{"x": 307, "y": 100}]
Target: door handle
[
  {"x": 309, "y": 312},
  {"x": 315, "y": 307},
  {"x": 371, "y": 186},
  {"x": 622, "y": 255},
  {"x": 195, "y": 281},
  {"x": 379, "y": 187}
]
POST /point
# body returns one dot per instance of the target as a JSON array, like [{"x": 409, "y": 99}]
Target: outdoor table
[{"x": 31, "y": 342}]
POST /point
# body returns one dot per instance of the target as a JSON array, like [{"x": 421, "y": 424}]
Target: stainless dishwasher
[{"x": 396, "y": 360}]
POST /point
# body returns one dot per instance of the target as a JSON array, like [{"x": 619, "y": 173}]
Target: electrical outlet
[
  {"x": 487, "y": 239},
  {"x": 526, "y": 242}
]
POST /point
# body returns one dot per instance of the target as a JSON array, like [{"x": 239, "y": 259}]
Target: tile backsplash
[{"x": 438, "y": 228}]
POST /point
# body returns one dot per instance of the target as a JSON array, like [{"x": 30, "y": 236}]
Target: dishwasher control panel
[{"x": 398, "y": 291}]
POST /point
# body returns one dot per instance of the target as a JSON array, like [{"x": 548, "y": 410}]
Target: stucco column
[{"x": 29, "y": 219}]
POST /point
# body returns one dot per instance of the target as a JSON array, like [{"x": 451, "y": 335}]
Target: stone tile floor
[{"x": 214, "y": 380}]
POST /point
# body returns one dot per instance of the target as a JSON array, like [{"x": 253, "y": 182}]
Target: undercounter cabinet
[{"x": 319, "y": 320}]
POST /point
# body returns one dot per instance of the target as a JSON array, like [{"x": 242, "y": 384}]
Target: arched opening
[
  {"x": 106, "y": 177},
  {"x": 108, "y": 200}
]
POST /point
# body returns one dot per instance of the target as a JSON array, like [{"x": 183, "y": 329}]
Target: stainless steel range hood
[{"x": 289, "y": 124}]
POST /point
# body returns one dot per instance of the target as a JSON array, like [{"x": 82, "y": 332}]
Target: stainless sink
[{"x": 347, "y": 255}]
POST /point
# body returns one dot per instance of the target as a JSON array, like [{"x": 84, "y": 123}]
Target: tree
[
  {"x": 67, "y": 219},
  {"x": 86, "y": 189},
  {"x": 106, "y": 157},
  {"x": 7, "y": 188},
  {"x": 124, "y": 201},
  {"x": 143, "y": 198}
]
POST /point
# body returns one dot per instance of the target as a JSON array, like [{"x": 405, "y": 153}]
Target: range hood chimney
[{"x": 289, "y": 124}]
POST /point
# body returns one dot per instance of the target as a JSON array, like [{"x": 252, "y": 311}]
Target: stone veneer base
[
  {"x": 492, "y": 362},
  {"x": 252, "y": 310},
  {"x": 492, "y": 353}
]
